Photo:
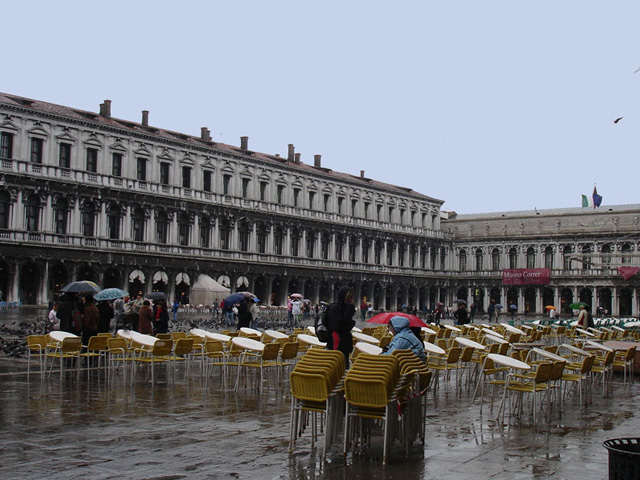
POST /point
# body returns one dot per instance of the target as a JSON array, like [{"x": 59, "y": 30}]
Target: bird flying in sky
[
  {"x": 637, "y": 70},
  {"x": 618, "y": 119}
]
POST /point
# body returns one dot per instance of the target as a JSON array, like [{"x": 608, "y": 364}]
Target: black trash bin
[{"x": 624, "y": 458}]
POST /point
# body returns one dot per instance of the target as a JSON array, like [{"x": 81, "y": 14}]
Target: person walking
[
  {"x": 461, "y": 315},
  {"x": 160, "y": 317},
  {"x": 145, "y": 323},
  {"x": 340, "y": 322}
]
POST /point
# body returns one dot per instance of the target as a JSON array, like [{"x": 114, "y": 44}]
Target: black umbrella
[
  {"x": 81, "y": 286},
  {"x": 155, "y": 296},
  {"x": 459, "y": 300}
]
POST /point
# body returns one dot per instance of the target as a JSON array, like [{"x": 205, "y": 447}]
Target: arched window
[
  {"x": 531, "y": 257},
  {"x": 513, "y": 258},
  {"x": 566, "y": 257},
  {"x": 463, "y": 260},
  {"x": 606, "y": 254},
  {"x": 32, "y": 213},
  {"x": 60, "y": 216},
  {"x": 402, "y": 248},
  {"x": 89, "y": 220},
  {"x": 548, "y": 257},
  {"x": 295, "y": 237},
  {"x": 113, "y": 221},
  {"x": 204, "y": 224},
  {"x": 495, "y": 259},
  {"x": 261, "y": 237},
  {"x": 278, "y": 240},
  {"x": 225, "y": 234},
  {"x": 339, "y": 247},
  {"x": 162, "y": 227},
  {"x": 626, "y": 254},
  {"x": 244, "y": 231},
  {"x": 137, "y": 224},
  {"x": 184, "y": 229},
  {"x": 325, "y": 242},
  {"x": 311, "y": 243},
  {"x": 390, "y": 249},
  {"x": 479, "y": 260},
  {"x": 5, "y": 205}
]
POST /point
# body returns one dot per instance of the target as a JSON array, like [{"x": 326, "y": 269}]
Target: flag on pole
[
  {"x": 586, "y": 201},
  {"x": 597, "y": 199}
]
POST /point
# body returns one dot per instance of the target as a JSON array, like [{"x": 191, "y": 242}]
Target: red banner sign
[
  {"x": 628, "y": 272},
  {"x": 526, "y": 276}
]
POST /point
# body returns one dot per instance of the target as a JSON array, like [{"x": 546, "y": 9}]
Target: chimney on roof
[
  {"x": 361, "y": 173},
  {"x": 317, "y": 161},
  {"x": 105, "y": 109},
  {"x": 297, "y": 158},
  {"x": 145, "y": 118},
  {"x": 205, "y": 134},
  {"x": 292, "y": 150},
  {"x": 244, "y": 143}
]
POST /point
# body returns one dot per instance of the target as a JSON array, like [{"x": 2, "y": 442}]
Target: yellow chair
[
  {"x": 625, "y": 361},
  {"x": 581, "y": 377},
  {"x": 96, "y": 348},
  {"x": 531, "y": 384},
  {"x": 268, "y": 358},
  {"x": 36, "y": 346},
  {"x": 118, "y": 353},
  {"x": 158, "y": 354},
  {"x": 182, "y": 349},
  {"x": 214, "y": 355},
  {"x": 603, "y": 366},
  {"x": 69, "y": 348}
]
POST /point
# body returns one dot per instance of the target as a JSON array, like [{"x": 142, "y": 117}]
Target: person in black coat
[
  {"x": 340, "y": 322},
  {"x": 461, "y": 315},
  {"x": 244, "y": 317},
  {"x": 65, "y": 312},
  {"x": 160, "y": 317}
]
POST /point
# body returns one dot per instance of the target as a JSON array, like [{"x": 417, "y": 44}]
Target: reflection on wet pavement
[{"x": 186, "y": 428}]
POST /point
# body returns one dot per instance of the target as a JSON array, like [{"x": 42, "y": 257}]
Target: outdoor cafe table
[
  {"x": 356, "y": 329},
  {"x": 435, "y": 349},
  {"x": 428, "y": 331},
  {"x": 248, "y": 344},
  {"x": 59, "y": 335},
  {"x": 311, "y": 329},
  {"x": 311, "y": 340},
  {"x": 591, "y": 345},
  {"x": 547, "y": 354},
  {"x": 512, "y": 329},
  {"x": 526, "y": 345},
  {"x": 365, "y": 347},
  {"x": 276, "y": 334},
  {"x": 492, "y": 332},
  {"x": 221, "y": 337},
  {"x": 365, "y": 338},
  {"x": 470, "y": 343},
  {"x": 574, "y": 349},
  {"x": 495, "y": 338},
  {"x": 250, "y": 331},
  {"x": 142, "y": 339},
  {"x": 452, "y": 328},
  {"x": 615, "y": 327},
  {"x": 585, "y": 332}
]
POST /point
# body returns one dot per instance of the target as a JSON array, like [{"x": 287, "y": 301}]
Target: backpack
[{"x": 321, "y": 325}]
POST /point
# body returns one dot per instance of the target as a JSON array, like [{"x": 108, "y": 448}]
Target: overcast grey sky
[{"x": 488, "y": 105}]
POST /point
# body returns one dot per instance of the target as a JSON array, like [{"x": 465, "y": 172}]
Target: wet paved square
[{"x": 187, "y": 428}]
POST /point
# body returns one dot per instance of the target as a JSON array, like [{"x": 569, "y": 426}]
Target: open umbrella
[
  {"x": 550, "y": 307},
  {"x": 513, "y": 306},
  {"x": 385, "y": 318},
  {"x": 577, "y": 305},
  {"x": 499, "y": 306},
  {"x": 110, "y": 294},
  {"x": 459, "y": 300},
  {"x": 155, "y": 296},
  {"x": 81, "y": 286},
  {"x": 295, "y": 295},
  {"x": 439, "y": 304},
  {"x": 238, "y": 297}
]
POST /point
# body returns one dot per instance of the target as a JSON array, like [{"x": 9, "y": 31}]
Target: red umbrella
[{"x": 386, "y": 317}]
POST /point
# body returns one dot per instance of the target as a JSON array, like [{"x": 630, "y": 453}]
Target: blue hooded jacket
[{"x": 404, "y": 339}]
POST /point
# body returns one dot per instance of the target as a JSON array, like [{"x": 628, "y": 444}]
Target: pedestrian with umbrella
[
  {"x": 513, "y": 308},
  {"x": 491, "y": 309},
  {"x": 340, "y": 322},
  {"x": 461, "y": 315}
]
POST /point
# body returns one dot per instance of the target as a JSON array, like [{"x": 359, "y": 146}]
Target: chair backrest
[
  {"x": 289, "y": 351},
  {"x": 183, "y": 346},
  {"x": 117, "y": 344},
  {"x": 104, "y": 334},
  {"x": 453, "y": 355},
  {"x": 175, "y": 336},
  {"x": 163, "y": 336},
  {"x": 37, "y": 343},
  {"x": 587, "y": 364},
  {"x": 609, "y": 358},
  {"x": 467, "y": 354},
  {"x": 557, "y": 370},
  {"x": 71, "y": 345},
  {"x": 162, "y": 347},
  {"x": 503, "y": 348},
  {"x": 270, "y": 351},
  {"x": 543, "y": 372},
  {"x": 97, "y": 344},
  {"x": 630, "y": 354}
]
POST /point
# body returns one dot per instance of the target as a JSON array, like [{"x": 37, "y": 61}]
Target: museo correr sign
[{"x": 526, "y": 276}]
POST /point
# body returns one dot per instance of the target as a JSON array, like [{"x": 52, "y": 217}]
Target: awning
[
  {"x": 160, "y": 277},
  {"x": 182, "y": 278},
  {"x": 224, "y": 280},
  {"x": 136, "y": 275},
  {"x": 242, "y": 281}
]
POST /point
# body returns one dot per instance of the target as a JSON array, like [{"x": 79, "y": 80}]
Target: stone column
[
  {"x": 47, "y": 225},
  {"x": 127, "y": 223}
]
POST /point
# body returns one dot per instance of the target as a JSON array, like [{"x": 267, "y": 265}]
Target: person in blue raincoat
[{"x": 404, "y": 339}]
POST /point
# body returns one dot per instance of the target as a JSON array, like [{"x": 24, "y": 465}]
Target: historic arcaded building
[
  {"x": 84, "y": 195},
  {"x": 130, "y": 205}
]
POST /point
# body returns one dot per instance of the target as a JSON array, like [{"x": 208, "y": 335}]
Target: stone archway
[
  {"x": 58, "y": 278},
  {"x": 605, "y": 301},
  {"x": 112, "y": 278},
  {"x": 566, "y": 299},
  {"x": 29, "y": 282},
  {"x": 625, "y": 302}
]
